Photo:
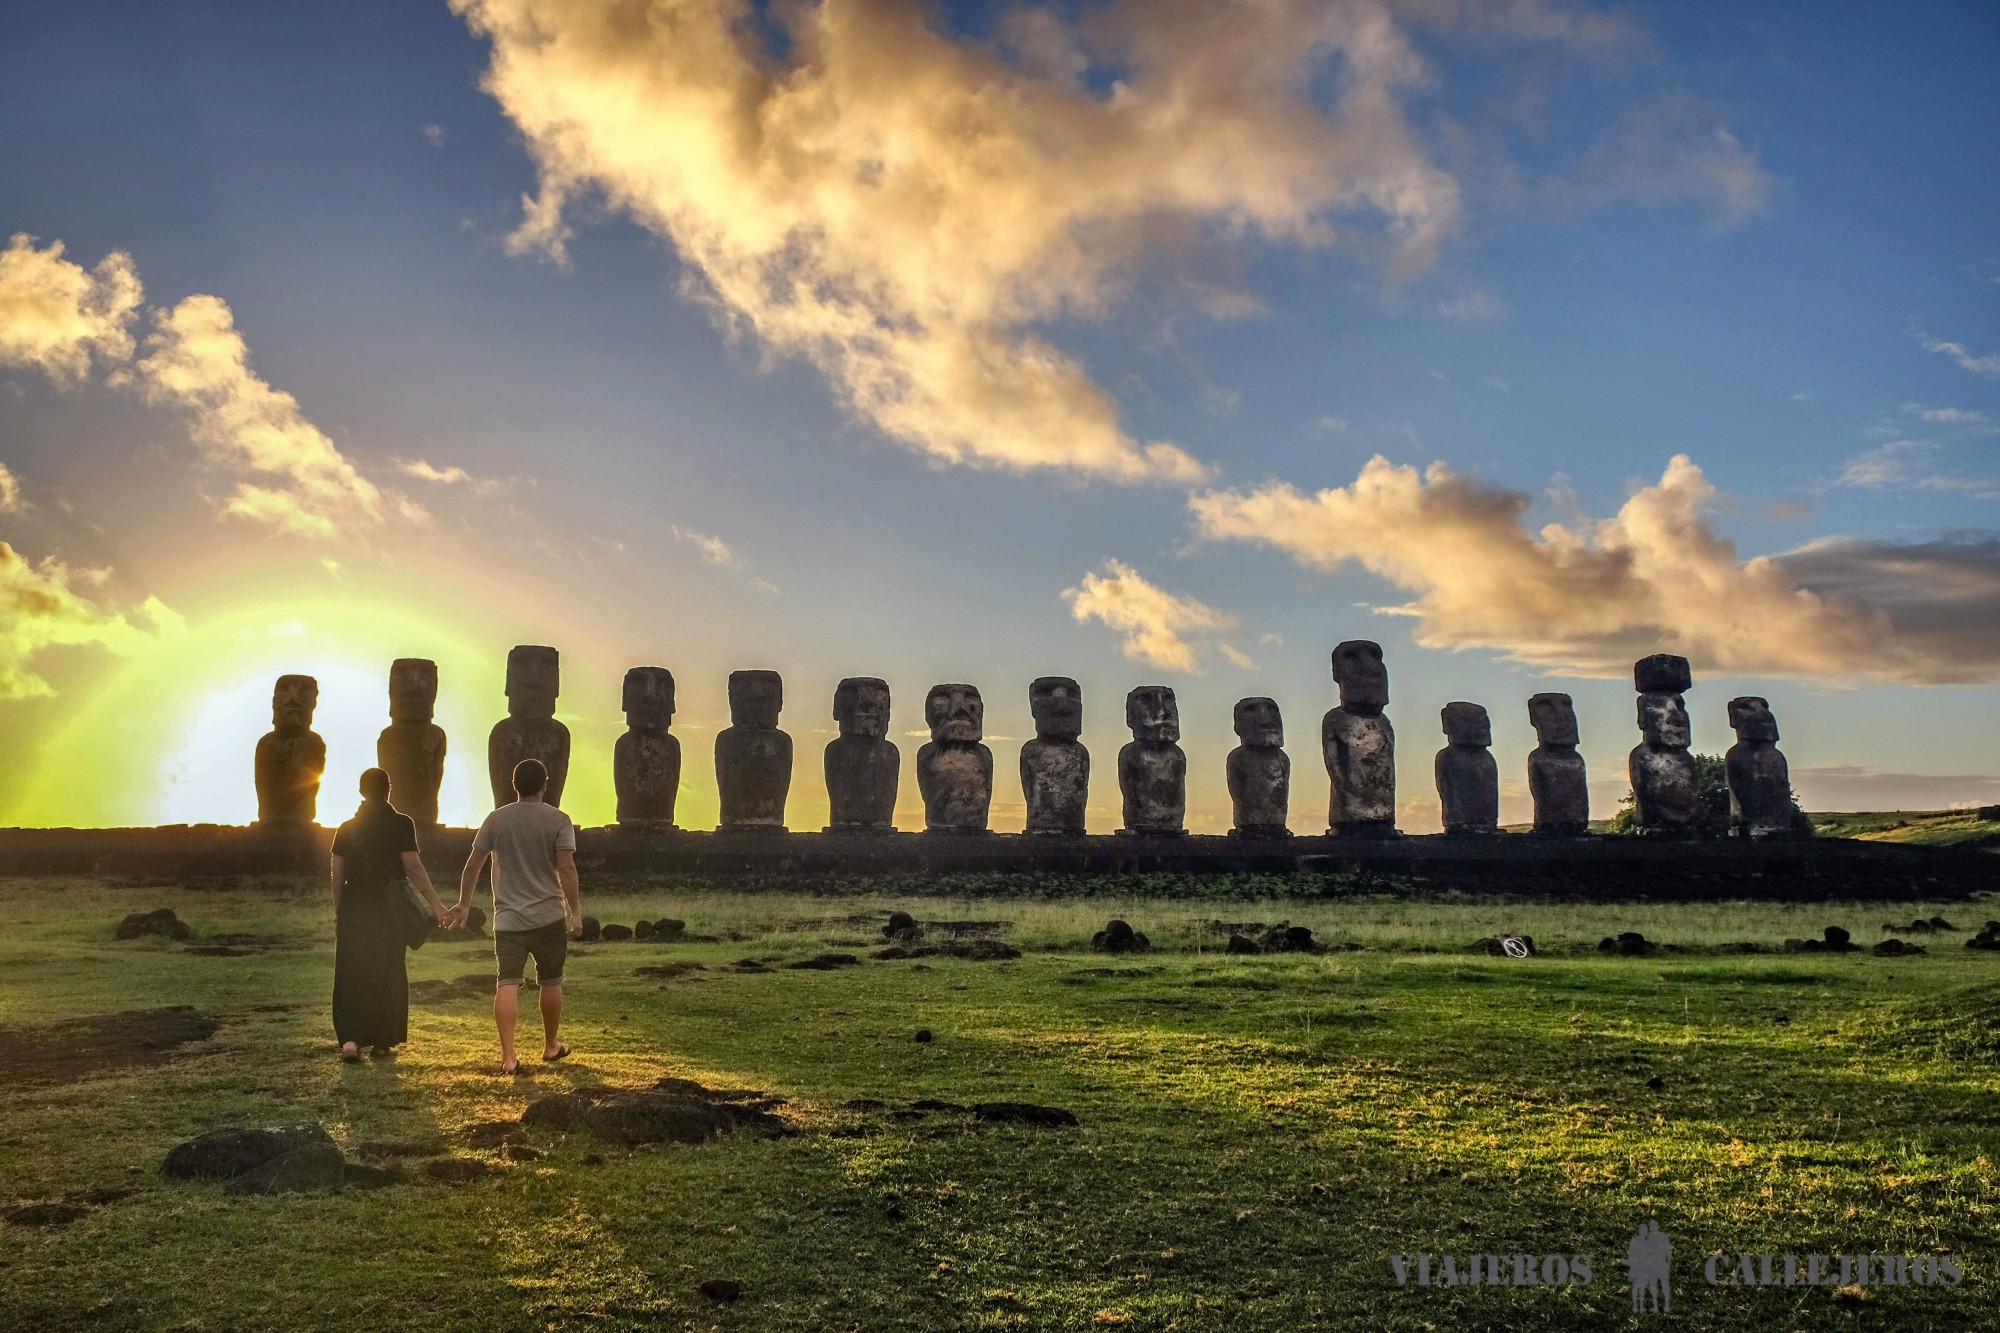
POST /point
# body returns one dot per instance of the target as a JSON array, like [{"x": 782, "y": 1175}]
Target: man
[{"x": 537, "y": 908}]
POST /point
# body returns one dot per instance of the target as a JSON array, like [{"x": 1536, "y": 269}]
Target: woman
[{"x": 371, "y": 989}]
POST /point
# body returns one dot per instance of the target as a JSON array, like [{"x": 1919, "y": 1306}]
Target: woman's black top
[{"x": 372, "y": 844}]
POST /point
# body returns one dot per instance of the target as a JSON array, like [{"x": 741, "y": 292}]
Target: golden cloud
[
  {"x": 1163, "y": 629},
  {"x": 1588, "y": 599},
  {"x": 903, "y": 208},
  {"x": 56, "y": 316},
  {"x": 40, "y": 608}
]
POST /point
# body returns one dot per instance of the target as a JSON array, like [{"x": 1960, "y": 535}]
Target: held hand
[{"x": 444, "y": 917}]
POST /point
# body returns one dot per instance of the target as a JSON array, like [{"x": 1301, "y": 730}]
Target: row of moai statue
[{"x": 753, "y": 758}]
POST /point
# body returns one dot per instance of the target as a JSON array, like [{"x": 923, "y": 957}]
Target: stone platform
[{"x": 1584, "y": 868}]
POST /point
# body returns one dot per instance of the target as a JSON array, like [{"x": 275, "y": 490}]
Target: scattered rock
[
  {"x": 667, "y": 928},
  {"x": 1656, "y": 1083},
  {"x": 1627, "y": 943},
  {"x": 672, "y": 1111},
  {"x": 593, "y": 931},
  {"x": 45, "y": 1214},
  {"x": 1506, "y": 946},
  {"x": 922, "y": 1037},
  {"x": 160, "y": 921},
  {"x": 456, "y": 1170},
  {"x": 1243, "y": 944},
  {"x": 642, "y": 930},
  {"x": 668, "y": 971},
  {"x": 616, "y": 934},
  {"x": 1988, "y": 938},
  {"x": 1895, "y": 948},
  {"x": 1119, "y": 937},
  {"x": 721, "y": 1288},
  {"x": 307, "y": 1169},
  {"x": 1024, "y": 1113},
  {"x": 1836, "y": 940},
  {"x": 825, "y": 962},
  {"x": 225, "y": 1154},
  {"x": 898, "y": 923},
  {"x": 521, "y": 1152},
  {"x": 1283, "y": 938}
]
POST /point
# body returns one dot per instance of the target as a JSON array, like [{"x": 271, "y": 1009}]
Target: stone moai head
[
  {"x": 649, "y": 698},
  {"x": 534, "y": 679},
  {"x": 413, "y": 689},
  {"x": 292, "y": 702},
  {"x": 1259, "y": 724},
  {"x": 1363, "y": 678},
  {"x": 1662, "y": 673},
  {"x": 1057, "y": 703},
  {"x": 861, "y": 707},
  {"x": 956, "y": 714},
  {"x": 755, "y": 699},
  {"x": 1553, "y": 717},
  {"x": 1466, "y": 724},
  {"x": 1664, "y": 719},
  {"x": 1751, "y": 718},
  {"x": 1153, "y": 714}
]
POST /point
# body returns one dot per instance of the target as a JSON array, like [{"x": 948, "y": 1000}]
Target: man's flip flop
[
  {"x": 511, "y": 1071},
  {"x": 562, "y": 1049}
]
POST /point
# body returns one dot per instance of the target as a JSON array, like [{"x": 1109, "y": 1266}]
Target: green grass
[
  {"x": 1926, "y": 828},
  {"x": 1258, "y": 1134}
]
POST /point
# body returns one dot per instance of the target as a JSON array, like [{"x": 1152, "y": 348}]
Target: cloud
[
  {"x": 10, "y": 492},
  {"x": 1675, "y": 149},
  {"x": 291, "y": 475},
  {"x": 40, "y": 608},
  {"x": 1966, "y": 421},
  {"x": 57, "y": 316},
  {"x": 435, "y": 135},
  {"x": 905, "y": 209},
  {"x": 713, "y": 549},
  {"x": 1857, "y": 787},
  {"x": 1906, "y": 465},
  {"x": 1476, "y": 306},
  {"x": 1329, "y": 426},
  {"x": 1988, "y": 365},
  {"x": 1589, "y": 597},
  {"x": 451, "y": 475},
  {"x": 1159, "y": 628}
]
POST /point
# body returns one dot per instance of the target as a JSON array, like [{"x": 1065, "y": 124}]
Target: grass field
[{"x": 1258, "y": 1135}]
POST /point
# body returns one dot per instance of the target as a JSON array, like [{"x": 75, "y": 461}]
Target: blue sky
[{"x": 1753, "y": 237}]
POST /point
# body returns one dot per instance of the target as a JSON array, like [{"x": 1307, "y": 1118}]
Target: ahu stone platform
[{"x": 1599, "y": 868}]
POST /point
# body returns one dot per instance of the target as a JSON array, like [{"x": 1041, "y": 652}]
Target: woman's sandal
[{"x": 348, "y": 1057}]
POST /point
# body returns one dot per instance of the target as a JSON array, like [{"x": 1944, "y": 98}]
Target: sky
[{"x": 1163, "y": 341}]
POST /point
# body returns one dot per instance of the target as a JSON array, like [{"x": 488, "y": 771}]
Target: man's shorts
[{"x": 548, "y": 944}]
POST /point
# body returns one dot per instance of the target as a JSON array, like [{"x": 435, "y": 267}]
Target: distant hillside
[{"x": 1929, "y": 828}]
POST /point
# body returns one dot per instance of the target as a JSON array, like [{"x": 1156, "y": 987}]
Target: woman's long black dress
[{"x": 371, "y": 987}]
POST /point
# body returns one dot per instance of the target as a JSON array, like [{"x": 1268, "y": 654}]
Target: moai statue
[
  {"x": 1555, "y": 769},
  {"x": 863, "y": 765},
  {"x": 1760, "y": 781},
  {"x": 646, "y": 762},
  {"x": 1260, "y": 772},
  {"x": 1360, "y": 745},
  {"x": 1055, "y": 768},
  {"x": 291, "y": 757},
  {"x": 955, "y": 771},
  {"x": 1468, "y": 781},
  {"x": 753, "y": 759},
  {"x": 1664, "y": 783},
  {"x": 530, "y": 729},
  {"x": 411, "y": 748},
  {"x": 1152, "y": 767}
]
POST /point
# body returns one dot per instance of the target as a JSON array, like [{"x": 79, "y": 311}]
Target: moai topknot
[
  {"x": 1665, "y": 788},
  {"x": 646, "y": 762},
  {"x": 1360, "y": 745},
  {"x": 955, "y": 771},
  {"x": 1260, "y": 772},
  {"x": 290, "y": 759},
  {"x": 863, "y": 765},
  {"x": 1468, "y": 781},
  {"x": 530, "y": 729},
  {"x": 753, "y": 759},
  {"x": 1760, "y": 781},
  {"x": 1055, "y": 768},
  {"x": 1555, "y": 770},
  {"x": 411, "y": 748},
  {"x": 1152, "y": 767}
]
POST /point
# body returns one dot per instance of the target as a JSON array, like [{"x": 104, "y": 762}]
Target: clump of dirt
[
  {"x": 975, "y": 950},
  {"x": 668, "y": 971},
  {"x": 472, "y": 986},
  {"x": 160, "y": 921},
  {"x": 825, "y": 962},
  {"x": 673, "y": 1110},
  {"x": 73, "y": 1048}
]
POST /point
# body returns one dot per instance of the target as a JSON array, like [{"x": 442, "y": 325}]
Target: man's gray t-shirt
[{"x": 524, "y": 838}]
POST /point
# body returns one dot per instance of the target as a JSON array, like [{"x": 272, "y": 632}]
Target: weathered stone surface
[
  {"x": 863, "y": 766},
  {"x": 1360, "y": 745},
  {"x": 160, "y": 921},
  {"x": 1665, "y": 787},
  {"x": 225, "y": 1154},
  {"x": 304, "y": 1170},
  {"x": 411, "y": 748},
  {"x": 1662, "y": 673},
  {"x": 1556, "y": 777},
  {"x": 753, "y": 759},
  {"x": 1152, "y": 767},
  {"x": 646, "y": 762},
  {"x": 1260, "y": 772},
  {"x": 955, "y": 771},
  {"x": 1468, "y": 781},
  {"x": 1055, "y": 767},
  {"x": 290, "y": 757},
  {"x": 1760, "y": 781},
  {"x": 672, "y": 1111},
  {"x": 1119, "y": 937},
  {"x": 530, "y": 729}
]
